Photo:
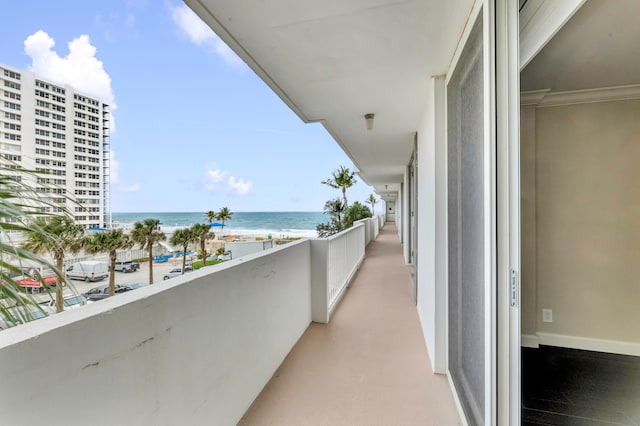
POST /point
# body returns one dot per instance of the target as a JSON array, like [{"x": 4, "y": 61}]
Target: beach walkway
[{"x": 369, "y": 365}]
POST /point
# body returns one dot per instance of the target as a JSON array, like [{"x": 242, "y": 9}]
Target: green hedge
[{"x": 198, "y": 263}]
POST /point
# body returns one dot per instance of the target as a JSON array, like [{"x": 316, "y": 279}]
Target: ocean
[{"x": 277, "y": 224}]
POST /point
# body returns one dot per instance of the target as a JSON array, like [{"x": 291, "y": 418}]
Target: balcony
[
  {"x": 200, "y": 349},
  {"x": 368, "y": 365}
]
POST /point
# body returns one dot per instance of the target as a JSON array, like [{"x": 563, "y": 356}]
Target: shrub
[
  {"x": 198, "y": 263},
  {"x": 328, "y": 229},
  {"x": 355, "y": 212}
]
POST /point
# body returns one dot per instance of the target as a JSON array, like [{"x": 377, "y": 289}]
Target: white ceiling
[
  {"x": 333, "y": 61},
  {"x": 598, "y": 47}
]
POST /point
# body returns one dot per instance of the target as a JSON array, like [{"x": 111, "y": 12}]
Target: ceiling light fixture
[{"x": 368, "y": 118}]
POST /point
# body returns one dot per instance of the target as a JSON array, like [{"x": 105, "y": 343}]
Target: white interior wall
[
  {"x": 528, "y": 297},
  {"x": 587, "y": 233}
]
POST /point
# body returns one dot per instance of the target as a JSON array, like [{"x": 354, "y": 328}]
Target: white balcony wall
[
  {"x": 367, "y": 229},
  {"x": 193, "y": 350},
  {"x": 378, "y": 221},
  {"x": 335, "y": 261},
  {"x": 372, "y": 228}
]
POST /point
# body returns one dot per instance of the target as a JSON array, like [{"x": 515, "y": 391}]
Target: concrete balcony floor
[{"x": 369, "y": 365}]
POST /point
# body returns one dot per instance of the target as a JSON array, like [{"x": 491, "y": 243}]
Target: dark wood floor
[{"x": 572, "y": 387}]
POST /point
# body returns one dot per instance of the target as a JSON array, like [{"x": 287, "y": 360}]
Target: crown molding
[
  {"x": 533, "y": 97},
  {"x": 546, "y": 98}
]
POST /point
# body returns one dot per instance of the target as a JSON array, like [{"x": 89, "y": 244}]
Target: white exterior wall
[
  {"x": 441, "y": 244},
  {"x": 406, "y": 219},
  {"x": 391, "y": 212},
  {"x": 32, "y": 154},
  {"x": 243, "y": 248},
  {"x": 163, "y": 354},
  {"x": 431, "y": 244}
]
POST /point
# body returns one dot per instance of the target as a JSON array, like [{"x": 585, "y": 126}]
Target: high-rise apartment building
[{"x": 63, "y": 135}]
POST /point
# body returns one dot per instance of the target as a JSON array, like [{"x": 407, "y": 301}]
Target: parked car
[
  {"x": 176, "y": 272},
  {"x": 134, "y": 286},
  {"x": 102, "y": 292},
  {"x": 89, "y": 270},
  {"x": 69, "y": 302},
  {"x": 126, "y": 266},
  {"x": 21, "y": 314},
  {"x": 225, "y": 256}
]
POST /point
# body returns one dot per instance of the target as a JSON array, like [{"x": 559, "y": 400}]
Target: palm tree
[
  {"x": 202, "y": 233},
  {"x": 334, "y": 209},
  {"x": 109, "y": 242},
  {"x": 19, "y": 203},
  {"x": 61, "y": 234},
  {"x": 184, "y": 237},
  {"x": 211, "y": 216},
  {"x": 147, "y": 233},
  {"x": 341, "y": 178},
  {"x": 223, "y": 215},
  {"x": 372, "y": 200}
]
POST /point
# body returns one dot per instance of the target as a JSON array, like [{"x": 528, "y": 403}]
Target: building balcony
[
  {"x": 368, "y": 365},
  {"x": 236, "y": 343}
]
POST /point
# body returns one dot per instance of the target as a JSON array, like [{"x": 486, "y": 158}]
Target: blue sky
[{"x": 195, "y": 128}]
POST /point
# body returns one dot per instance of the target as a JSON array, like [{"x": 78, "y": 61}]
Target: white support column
[
  {"x": 441, "y": 250},
  {"x": 507, "y": 115}
]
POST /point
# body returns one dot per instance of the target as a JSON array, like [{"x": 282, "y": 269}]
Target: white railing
[
  {"x": 372, "y": 228},
  {"x": 335, "y": 261},
  {"x": 220, "y": 332}
]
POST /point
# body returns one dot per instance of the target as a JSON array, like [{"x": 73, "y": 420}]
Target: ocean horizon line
[
  {"x": 286, "y": 222},
  {"x": 238, "y": 211}
]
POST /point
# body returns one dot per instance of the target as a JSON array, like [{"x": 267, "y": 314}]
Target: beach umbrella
[{"x": 215, "y": 224}]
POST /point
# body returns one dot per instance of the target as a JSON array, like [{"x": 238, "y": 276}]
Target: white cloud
[
  {"x": 239, "y": 186},
  {"x": 214, "y": 178},
  {"x": 200, "y": 34},
  {"x": 80, "y": 68},
  {"x": 217, "y": 180}
]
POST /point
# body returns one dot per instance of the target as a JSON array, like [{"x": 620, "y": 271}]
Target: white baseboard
[
  {"x": 589, "y": 344},
  {"x": 529, "y": 341}
]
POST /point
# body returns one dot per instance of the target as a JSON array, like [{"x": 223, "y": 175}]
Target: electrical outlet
[{"x": 547, "y": 315}]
